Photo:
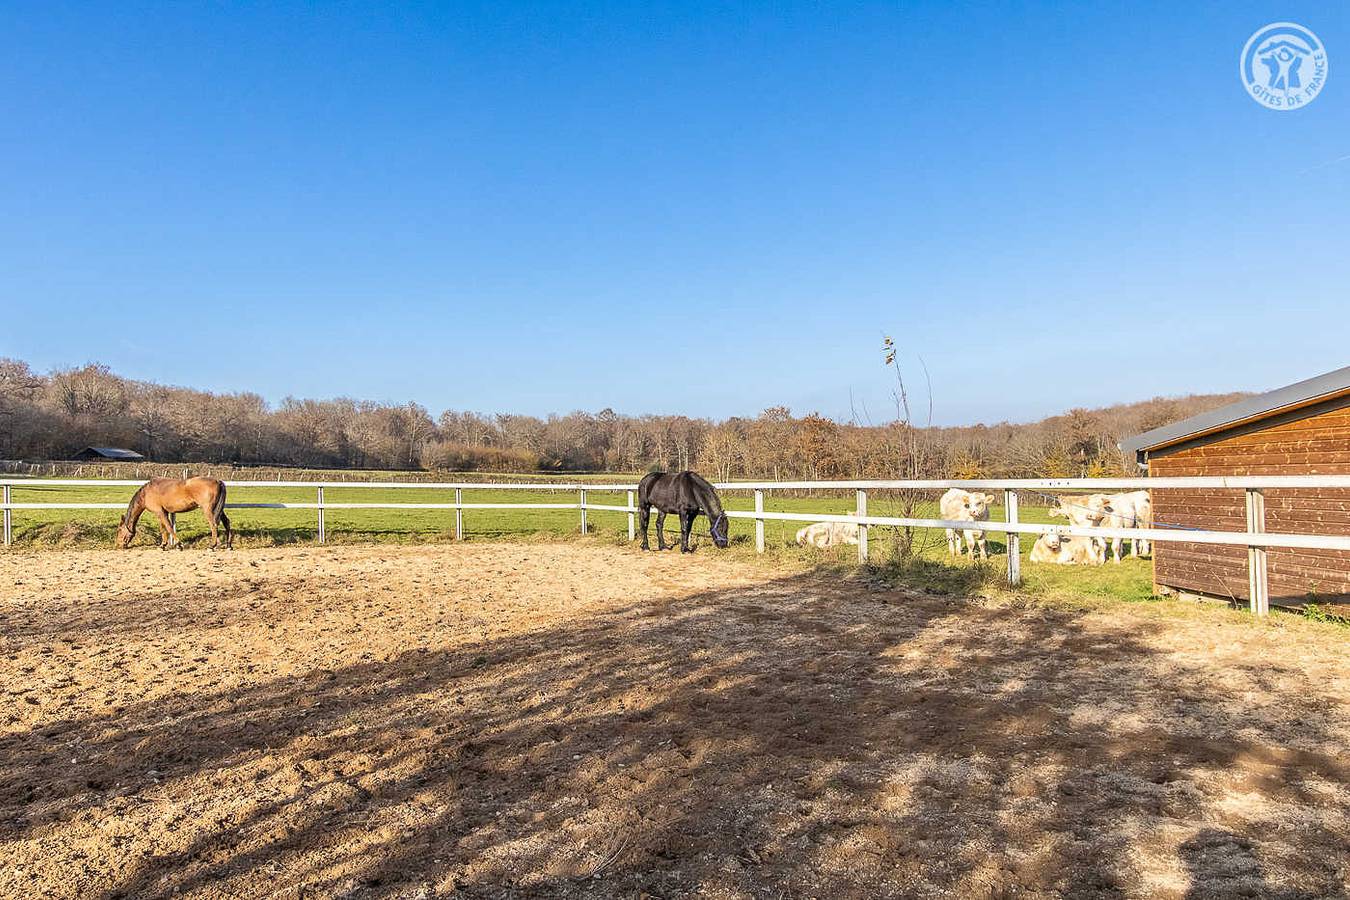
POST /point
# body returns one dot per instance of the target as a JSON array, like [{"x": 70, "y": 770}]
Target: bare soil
[{"x": 579, "y": 720}]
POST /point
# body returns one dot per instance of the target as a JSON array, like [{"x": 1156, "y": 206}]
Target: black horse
[{"x": 686, "y": 494}]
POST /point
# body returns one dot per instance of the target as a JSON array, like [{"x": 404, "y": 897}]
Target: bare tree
[
  {"x": 49, "y": 416},
  {"x": 722, "y": 451}
]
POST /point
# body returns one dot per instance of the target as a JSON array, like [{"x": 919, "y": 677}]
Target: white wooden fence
[
  {"x": 1255, "y": 538},
  {"x": 320, "y": 505}
]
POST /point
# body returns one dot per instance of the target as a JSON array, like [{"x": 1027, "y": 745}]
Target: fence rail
[{"x": 1255, "y": 538}]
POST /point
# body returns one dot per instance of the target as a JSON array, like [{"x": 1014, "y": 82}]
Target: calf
[
  {"x": 829, "y": 534},
  {"x": 1085, "y": 511},
  {"x": 965, "y": 506},
  {"x": 1067, "y": 551}
]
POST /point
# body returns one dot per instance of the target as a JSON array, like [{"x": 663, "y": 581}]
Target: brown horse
[{"x": 166, "y": 496}]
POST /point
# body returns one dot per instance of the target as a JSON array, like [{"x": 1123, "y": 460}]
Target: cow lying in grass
[
  {"x": 1065, "y": 550},
  {"x": 828, "y": 534},
  {"x": 965, "y": 506}
]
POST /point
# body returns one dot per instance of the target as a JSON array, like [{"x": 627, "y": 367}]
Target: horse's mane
[
  {"x": 707, "y": 495},
  {"x": 136, "y": 500}
]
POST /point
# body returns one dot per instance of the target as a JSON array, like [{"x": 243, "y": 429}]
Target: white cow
[
  {"x": 1130, "y": 510},
  {"x": 965, "y": 506},
  {"x": 1065, "y": 550},
  {"x": 828, "y": 534},
  {"x": 1085, "y": 511}
]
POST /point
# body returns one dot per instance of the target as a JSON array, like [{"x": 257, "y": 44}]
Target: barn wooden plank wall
[{"x": 1314, "y": 441}]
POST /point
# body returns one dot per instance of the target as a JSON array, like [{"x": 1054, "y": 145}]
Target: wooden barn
[
  {"x": 1301, "y": 429},
  {"x": 113, "y": 454}
]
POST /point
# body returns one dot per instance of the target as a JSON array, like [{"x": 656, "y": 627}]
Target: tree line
[{"x": 54, "y": 415}]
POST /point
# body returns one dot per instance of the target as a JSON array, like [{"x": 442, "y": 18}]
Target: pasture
[
  {"x": 576, "y": 719},
  {"x": 273, "y": 527}
]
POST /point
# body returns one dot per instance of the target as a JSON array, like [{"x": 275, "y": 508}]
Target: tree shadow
[
  {"x": 1222, "y": 864},
  {"x": 796, "y": 737}
]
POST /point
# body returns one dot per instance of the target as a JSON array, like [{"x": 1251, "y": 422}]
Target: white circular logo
[{"x": 1283, "y": 66}]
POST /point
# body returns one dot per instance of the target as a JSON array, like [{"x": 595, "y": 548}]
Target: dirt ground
[{"x": 572, "y": 720}]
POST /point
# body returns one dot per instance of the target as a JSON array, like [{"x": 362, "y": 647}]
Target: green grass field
[{"x": 932, "y": 569}]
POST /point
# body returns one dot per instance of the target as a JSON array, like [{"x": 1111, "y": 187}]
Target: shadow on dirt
[{"x": 790, "y": 739}]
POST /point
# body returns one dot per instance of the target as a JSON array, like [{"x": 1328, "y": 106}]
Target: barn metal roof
[
  {"x": 114, "y": 452},
  {"x": 1291, "y": 396}
]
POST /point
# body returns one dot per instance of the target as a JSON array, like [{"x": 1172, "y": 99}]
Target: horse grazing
[
  {"x": 687, "y": 494},
  {"x": 166, "y": 496}
]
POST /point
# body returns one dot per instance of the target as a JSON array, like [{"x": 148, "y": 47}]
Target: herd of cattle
[
  {"x": 1129, "y": 510},
  {"x": 1133, "y": 509}
]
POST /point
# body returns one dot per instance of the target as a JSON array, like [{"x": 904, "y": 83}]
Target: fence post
[
  {"x": 862, "y": 529},
  {"x": 759, "y": 523},
  {"x": 632, "y": 519},
  {"x": 583, "y": 511},
  {"x": 459, "y": 514},
  {"x": 1258, "y": 587},
  {"x": 322, "y": 532},
  {"x": 7, "y": 514},
  {"x": 1014, "y": 539}
]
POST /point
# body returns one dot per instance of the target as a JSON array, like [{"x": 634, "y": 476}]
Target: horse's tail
[{"x": 219, "y": 506}]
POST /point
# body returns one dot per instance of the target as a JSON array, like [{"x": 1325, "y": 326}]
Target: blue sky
[{"x": 672, "y": 208}]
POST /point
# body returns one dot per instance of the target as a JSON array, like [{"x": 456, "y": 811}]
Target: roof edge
[{"x": 1301, "y": 393}]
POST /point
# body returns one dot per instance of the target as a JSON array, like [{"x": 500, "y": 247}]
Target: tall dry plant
[{"x": 911, "y": 457}]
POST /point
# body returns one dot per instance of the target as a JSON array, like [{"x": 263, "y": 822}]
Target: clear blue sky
[{"x": 671, "y": 208}]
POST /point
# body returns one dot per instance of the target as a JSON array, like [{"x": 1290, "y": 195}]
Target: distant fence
[
  {"x": 235, "y": 474},
  {"x": 1255, "y": 538}
]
